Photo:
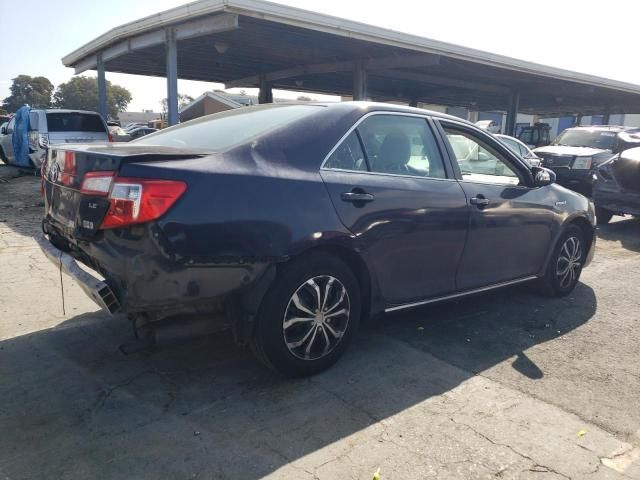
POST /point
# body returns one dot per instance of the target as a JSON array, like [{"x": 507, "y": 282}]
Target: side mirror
[
  {"x": 543, "y": 176},
  {"x": 3, "y": 131}
]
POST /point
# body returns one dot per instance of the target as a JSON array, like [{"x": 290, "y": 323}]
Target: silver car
[
  {"x": 519, "y": 148},
  {"x": 54, "y": 127}
]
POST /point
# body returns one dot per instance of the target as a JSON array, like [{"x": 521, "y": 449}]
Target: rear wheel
[
  {"x": 565, "y": 266},
  {"x": 308, "y": 317},
  {"x": 3, "y": 157},
  {"x": 603, "y": 216}
]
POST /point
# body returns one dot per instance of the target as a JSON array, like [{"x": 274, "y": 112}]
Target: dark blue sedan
[{"x": 291, "y": 223}]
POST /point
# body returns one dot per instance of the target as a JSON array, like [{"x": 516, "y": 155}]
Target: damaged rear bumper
[
  {"x": 94, "y": 287},
  {"x": 617, "y": 201}
]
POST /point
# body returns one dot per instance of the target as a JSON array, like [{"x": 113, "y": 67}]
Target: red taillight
[
  {"x": 97, "y": 183},
  {"x": 69, "y": 172},
  {"x": 110, "y": 137},
  {"x": 136, "y": 200}
]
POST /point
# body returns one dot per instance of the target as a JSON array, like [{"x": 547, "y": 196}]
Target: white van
[{"x": 53, "y": 127}]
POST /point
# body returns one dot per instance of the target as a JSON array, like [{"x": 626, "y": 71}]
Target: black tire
[
  {"x": 269, "y": 343},
  {"x": 555, "y": 283},
  {"x": 603, "y": 216},
  {"x": 3, "y": 157}
]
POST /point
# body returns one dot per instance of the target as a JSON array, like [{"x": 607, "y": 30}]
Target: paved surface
[{"x": 508, "y": 385}]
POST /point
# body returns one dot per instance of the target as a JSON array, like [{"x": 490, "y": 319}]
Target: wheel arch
[
  {"x": 580, "y": 221},
  {"x": 357, "y": 265}
]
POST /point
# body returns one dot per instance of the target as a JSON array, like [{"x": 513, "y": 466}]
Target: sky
[{"x": 599, "y": 38}]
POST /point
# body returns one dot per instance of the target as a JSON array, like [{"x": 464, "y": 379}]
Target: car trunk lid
[{"x": 78, "y": 214}]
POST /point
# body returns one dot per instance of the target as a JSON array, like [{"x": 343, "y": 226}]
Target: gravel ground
[{"x": 506, "y": 385}]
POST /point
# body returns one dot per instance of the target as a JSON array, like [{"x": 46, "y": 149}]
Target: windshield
[
  {"x": 604, "y": 140},
  {"x": 74, "y": 122},
  {"x": 224, "y": 130}
]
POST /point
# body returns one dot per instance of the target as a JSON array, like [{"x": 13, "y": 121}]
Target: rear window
[
  {"x": 225, "y": 130},
  {"x": 74, "y": 122}
]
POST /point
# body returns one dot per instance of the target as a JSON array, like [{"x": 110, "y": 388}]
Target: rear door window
[
  {"x": 33, "y": 121},
  {"x": 401, "y": 145},
  {"x": 74, "y": 122},
  {"x": 348, "y": 155}
]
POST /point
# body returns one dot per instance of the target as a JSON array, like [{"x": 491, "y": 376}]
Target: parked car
[
  {"x": 490, "y": 126},
  {"x": 519, "y": 148},
  {"x": 536, "y": 135},
  {"x": 577, "y": 152},
  {"x": 134, "y": 125},
  {"x": 140, "y": 132},
  {"x": 118, "y": 134},
  {"x": 54, "y": 127},
  {"x": 617, "y": 189},
  {"x": 294, "y": 221}
]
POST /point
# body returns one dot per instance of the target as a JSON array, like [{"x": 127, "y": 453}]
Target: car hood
[{"x": 572, "y": 151}]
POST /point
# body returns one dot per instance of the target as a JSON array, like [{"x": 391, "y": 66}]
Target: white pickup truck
[{"x": 54, "y": 127}]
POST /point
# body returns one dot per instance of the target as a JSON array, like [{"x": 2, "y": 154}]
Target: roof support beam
[
  {"x": 359, "y": 82},
  {"x": 403, "y": 61},
  {"x": 102, "y": 90},
  {"x": 172, "y": 77},
  {"x": 512, "y": 112},
  {"x": 266, "y": 92}
]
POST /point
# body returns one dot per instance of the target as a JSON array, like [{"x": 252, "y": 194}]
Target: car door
[
  {"x": 393, "y": 191},
  {"x": 7, "y": 144},
  {"x": 510, "y": 220}
]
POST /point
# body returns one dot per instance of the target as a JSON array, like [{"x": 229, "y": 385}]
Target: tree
[
  {"x": 36, "y": 91},
  {"x": 81, "y": 93},
  {"x": 183, "y": 100}
]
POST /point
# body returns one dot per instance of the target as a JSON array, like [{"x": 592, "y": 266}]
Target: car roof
[
  {"x": 63, "y": 110},
  {"x": 618, "y": 128},
  {"x": 368, "y": 107}
]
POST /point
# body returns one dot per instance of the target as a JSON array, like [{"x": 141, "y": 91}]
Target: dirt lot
[{"x": 508, "y": 385}]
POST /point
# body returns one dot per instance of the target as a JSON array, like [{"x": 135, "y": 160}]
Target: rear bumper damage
[
  {"x": 617, "y": 201},
  {"x": 157, "y": 287},
  {"x": 94, "y": 287}
]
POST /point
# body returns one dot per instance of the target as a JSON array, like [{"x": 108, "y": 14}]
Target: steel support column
[
  {"x": 512, "y": 113},
  {"x": 172, "y": 77},
  {"x": 266, "y": 91},
  {"x": 359, "y": 81},
  {"x": 102, "y": 89}
]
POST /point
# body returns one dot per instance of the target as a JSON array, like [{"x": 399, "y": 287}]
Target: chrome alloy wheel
[
  {"x": 316, "y": 317},
  {"x": 569, "y": 262}
]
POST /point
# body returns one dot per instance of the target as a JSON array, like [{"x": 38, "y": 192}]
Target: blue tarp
[{"x": 20, "y": 137}]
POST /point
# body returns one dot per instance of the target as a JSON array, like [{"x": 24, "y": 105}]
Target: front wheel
[
  {"x": 565, "y": 266},
  {"x": 308, "y": 317}
]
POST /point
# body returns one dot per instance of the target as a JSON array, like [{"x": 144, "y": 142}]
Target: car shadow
[
  {"x": 71, "y": 405},
  {"x": 626, "y": 231}
]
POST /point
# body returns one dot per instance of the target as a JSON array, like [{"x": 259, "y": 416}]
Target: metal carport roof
[{"x": 252, "y": 43}]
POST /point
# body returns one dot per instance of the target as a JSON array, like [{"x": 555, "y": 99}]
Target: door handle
[
  {"x": 479, "y": 201},
  {"x": 357, "y": 197}
]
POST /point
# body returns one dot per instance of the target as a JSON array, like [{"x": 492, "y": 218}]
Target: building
[
  {"x": 214, "y": 102},
  {"x": 137, "y": 117},
  {"x": 219, "y": 101}
]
